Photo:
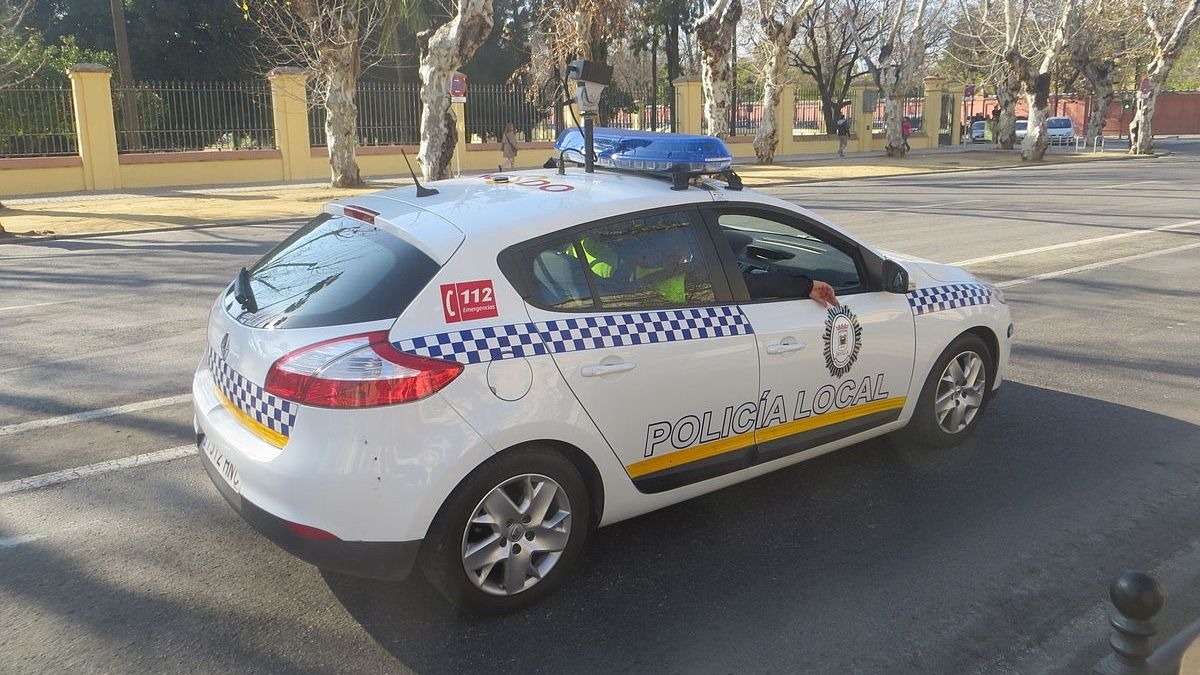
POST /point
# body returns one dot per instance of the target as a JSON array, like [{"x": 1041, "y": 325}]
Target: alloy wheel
[
  {"x": 960, "y": 392},
  {"x": 516, "y": 534}
]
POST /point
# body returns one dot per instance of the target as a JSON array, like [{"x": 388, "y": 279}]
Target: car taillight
[{"x": 357, "y": 371}]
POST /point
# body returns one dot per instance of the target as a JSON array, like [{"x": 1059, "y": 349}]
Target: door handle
[
  {"x": 607, "y": 369},
  {"x": 784, "y": 347}
]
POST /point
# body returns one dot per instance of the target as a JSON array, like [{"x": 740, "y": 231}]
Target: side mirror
[{"x": 895, "y": 277}]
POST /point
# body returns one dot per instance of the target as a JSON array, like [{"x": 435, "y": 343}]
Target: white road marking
[
  {"x": 1122, "y": 185},
  {"x": 1095, "y": 265},
  {"x": 36, "y": 304},
  {"x": 56, "y": 477},
  {"x": 929, "y": 206},
  {"x": 93, "y": 414},
  {"x": 1071, "y": 244},
  {"x": 13, "y": 542}
]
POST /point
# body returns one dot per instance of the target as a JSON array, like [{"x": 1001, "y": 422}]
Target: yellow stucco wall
[
  {"x": 188, "y": 169},
  {"x": 29, "y": 177}
]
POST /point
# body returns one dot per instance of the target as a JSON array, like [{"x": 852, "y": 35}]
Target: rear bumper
[{"x": 388, "y": 560}]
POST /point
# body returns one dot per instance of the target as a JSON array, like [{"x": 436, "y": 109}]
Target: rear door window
[
  {"x": 643, "y": 262},
  {"x": 335, "y": 271}
]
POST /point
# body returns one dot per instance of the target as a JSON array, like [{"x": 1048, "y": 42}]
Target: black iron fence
[
  {"x": 389, "y": 113},
  {"x": 179, "y": 116},
  {"x": 747, "y": 108},
  {"x": 490, "y": 106},
  {"x": 808, "y": 112},
  {"x": 37, "y": 121},
  {"x": 913, "y": 107}
]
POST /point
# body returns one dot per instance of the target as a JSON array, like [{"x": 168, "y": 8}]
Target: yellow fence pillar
[
  {"x": 860, "y": 120},
  {"x": 91, "y": 96},
  {"x": 460, "y": 137},
  {"x": 688, "y": 105},
  {"x": 785, "y": 118},
  {"x": 934, "y": 88},
  {"x": 289, "y": 110}
]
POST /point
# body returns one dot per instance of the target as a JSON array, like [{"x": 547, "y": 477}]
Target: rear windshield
[
  {"x": 335, "y": 271},
  {"x": 1058, "y": 123}
]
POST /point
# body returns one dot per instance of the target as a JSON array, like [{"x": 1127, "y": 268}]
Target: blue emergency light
[{"x": 649, "y": 151}]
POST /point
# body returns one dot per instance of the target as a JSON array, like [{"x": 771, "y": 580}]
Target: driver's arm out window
[{"x": 779, "y": 261}]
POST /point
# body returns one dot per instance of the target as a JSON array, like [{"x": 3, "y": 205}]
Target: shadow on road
[{"x": 880, "y": 557}]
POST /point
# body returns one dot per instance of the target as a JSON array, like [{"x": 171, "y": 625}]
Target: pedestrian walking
[
  {"x": 842, "y": 126},
  {"x": 906, "y": 131},
  {"x": 508, "y": 146}
]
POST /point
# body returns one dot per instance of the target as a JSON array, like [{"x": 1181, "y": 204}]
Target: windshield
[
  {"x": 1058, "y": 123},
  {"x": 977, "y": 126},
  {"x": 1022, "y": 125},
  {"x": 335, "y": 271}
]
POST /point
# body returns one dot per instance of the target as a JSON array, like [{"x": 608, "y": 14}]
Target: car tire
[
  {"x": 936, "y": 425},
  {"x": 476, "y": 513}
]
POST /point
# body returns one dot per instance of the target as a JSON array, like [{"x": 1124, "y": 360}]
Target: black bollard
[{"x": 1137, "y": 597}]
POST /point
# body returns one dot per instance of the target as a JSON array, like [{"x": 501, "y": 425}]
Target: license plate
[{"x": 224, "y": 467}]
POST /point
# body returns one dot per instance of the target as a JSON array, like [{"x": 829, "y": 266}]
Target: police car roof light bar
[{"x": 682, "y": 155}]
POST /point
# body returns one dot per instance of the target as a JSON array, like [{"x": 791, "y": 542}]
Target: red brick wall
[{"x": 1176, "y": 113}]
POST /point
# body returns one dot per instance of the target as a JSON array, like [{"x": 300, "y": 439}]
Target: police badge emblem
[{"x": 843, "y": 338}]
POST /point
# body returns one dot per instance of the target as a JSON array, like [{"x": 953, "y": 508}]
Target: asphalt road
[{"x": 993, "y": 557}]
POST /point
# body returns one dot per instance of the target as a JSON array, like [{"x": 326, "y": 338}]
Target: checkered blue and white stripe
[
  {"x": 951, "y": 296},
  {"x": 494, "y": 343},
  {"x": 276, "y": 414}
]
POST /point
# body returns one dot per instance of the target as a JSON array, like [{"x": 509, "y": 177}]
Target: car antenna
[{"x": 422, "y": 191}]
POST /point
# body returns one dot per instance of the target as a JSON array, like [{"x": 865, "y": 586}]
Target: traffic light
[{"x": 1126, "y": 104}]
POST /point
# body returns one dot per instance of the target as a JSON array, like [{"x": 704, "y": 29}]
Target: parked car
[
  {"x": 978, "y": 131},
  {"x": 1022, "y": 129},
  {"x": 471, "y": 379},
  {"x": 1060, "y": 130}
]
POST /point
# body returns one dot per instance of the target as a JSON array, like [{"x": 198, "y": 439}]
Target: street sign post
[{"x": 458, "y": 88}]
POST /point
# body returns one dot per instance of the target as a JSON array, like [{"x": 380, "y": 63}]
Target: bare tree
[
  {"x": 778, "y": 23},
  {"x": 444, "y": 50},
  {"x": 331, "y": 39},
  {"x": 714, "y": 32},
  {"x": 1018, "y": 44},
  {"x": 1184, "y": 15},
  {"x": 13, "y": 45},
  {"x": 827, "y": 52},
  {"x": 899, "y": 63},
  {"x": 979, "y": 41},
  {"x": 1103, "y": 35},
  {"x": 1035, "y": 76}
]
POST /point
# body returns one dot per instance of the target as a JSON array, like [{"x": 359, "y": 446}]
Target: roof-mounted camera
[{"x": 591, "y": 78}]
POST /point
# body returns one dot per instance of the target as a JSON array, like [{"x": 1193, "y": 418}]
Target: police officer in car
[{"x": 663, "y": 267}]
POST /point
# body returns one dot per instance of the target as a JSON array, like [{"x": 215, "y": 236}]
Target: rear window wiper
[{"x": 243, "y": 293}]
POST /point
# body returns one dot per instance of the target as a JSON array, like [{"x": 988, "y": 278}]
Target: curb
[
  {"x": 42, "y": 238},
  {"x": 804, "y": 181}
]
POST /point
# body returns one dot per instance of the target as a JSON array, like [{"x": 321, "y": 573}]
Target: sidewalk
[{"x": 100, "y": 213}]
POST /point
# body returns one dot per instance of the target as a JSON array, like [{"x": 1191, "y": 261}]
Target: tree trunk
[
  {"x": 766, "y": 139},
  {"x": 893, "y": 133},
  {"x": 341, "y": 116},
  {"x": 1143, "y": 118},
  {"x": 1006, "y": 95},
  {"x": 671, "y": 46},
  {"x": 442, "y": 52},
  {"x": 1033, "y": 146},
  {"x": 1102, "y": 96},
  {"x": 714, "y": 33}
]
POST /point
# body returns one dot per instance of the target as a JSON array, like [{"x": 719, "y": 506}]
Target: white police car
[{"x": 474, "y": 380}]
